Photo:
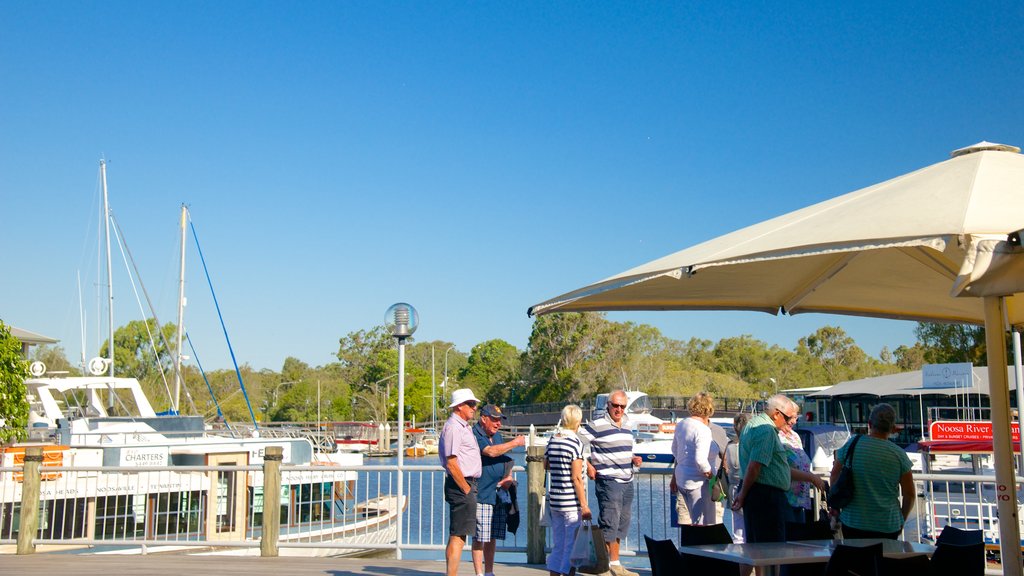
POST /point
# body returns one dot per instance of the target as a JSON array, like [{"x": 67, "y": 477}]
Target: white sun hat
[{"x": 461, "y": 396}]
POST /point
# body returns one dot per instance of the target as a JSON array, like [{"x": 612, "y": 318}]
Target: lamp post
[
  {"x": 444, "y": 383},
  {"x": 401, "y": 320},
  {"x": 278, "y": 388}
]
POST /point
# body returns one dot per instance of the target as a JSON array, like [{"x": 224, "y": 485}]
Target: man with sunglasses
[
  {"x": 766, "y": 472},
  {"x": 611, "y": 467},
  {"x": 460, "y": 456}
]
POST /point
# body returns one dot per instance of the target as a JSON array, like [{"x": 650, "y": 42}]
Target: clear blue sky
[{"x": 472, "y": 159}]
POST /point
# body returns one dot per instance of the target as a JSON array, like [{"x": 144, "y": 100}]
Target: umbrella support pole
[{"x": 1002, "y": 445}]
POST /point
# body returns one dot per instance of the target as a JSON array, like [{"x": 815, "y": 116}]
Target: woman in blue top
[{"x": 881, "y": 471}]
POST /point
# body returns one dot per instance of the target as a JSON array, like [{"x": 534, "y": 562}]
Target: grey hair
[
  {"x": 778, "y": 402},
  {"x": 883, "y": 418}
]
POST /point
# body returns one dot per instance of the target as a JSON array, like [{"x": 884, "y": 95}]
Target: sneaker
[{"x": 620, "y": 570}]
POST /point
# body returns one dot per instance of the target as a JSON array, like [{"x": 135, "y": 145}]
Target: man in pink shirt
[{"x": 460, "y": 456}]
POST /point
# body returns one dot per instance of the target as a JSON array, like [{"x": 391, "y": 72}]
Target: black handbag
[{"x": 841, "y": 493}]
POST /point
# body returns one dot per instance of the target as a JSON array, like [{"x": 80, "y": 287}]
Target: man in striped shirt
[{"x": 611, "y": 467}]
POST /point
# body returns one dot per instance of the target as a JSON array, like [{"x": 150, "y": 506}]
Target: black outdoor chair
[
  {"x": 954, "y": 535},
  {"x": 664, "y": 557},
  {"x": 711, "y": 534},
  {"x": 958, "y": 560},
  {"x": 692, "y": 535},
  {"x": 854, "y": 560},
  {"x": 817, "y": 530}
]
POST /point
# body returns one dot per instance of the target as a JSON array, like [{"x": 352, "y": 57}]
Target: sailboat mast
[
  {"x": 110, "y": 273},
  {"x": 181, "y": 311}
]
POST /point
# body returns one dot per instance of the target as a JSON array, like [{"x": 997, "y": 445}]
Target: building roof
[
  {"x": 909, "y": 384},
  {"x": 27, "y": 337}
]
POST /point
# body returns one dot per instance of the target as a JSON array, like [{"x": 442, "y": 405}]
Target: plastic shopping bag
[{"x": 589, "y": 554}]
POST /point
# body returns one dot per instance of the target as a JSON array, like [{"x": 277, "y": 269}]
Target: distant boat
[
  {"x": 354, "y": 436},
  {"x": 414, "y": 443},
  {"x": 430, "y": 442}
]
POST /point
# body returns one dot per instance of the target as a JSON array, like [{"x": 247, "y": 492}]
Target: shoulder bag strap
[{"x": 849, "y": 455}]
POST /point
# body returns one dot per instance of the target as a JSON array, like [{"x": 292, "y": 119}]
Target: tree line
[{"x": 569, "y": 357}]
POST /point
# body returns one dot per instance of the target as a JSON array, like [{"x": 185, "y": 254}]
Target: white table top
[{"x": 802, "y": 552}]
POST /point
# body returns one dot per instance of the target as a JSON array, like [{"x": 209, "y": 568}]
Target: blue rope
[
  {"x": 205, "y": 379},
  {"x": 223, "y": 327}
]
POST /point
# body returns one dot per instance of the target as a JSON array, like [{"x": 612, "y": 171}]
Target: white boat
[
  {"x": 430, "y": 442},
  {"x": 100, "y": 421}
]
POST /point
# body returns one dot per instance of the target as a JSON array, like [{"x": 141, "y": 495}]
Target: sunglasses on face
[
  {"x": 791, "y": 419},
  {"x": 619, "y": 406},
  {"x": 471, "y": 404}
]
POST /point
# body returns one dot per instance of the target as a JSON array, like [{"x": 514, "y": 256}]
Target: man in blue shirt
[{"x": 492, "y": 489}]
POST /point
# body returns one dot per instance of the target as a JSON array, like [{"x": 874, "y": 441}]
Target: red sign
[{"x": 949, "y": 430}]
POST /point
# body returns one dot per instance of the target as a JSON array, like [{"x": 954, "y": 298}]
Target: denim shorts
[
  {"x": 462, "y": 507},
  {"x": 615, "y": 500}
]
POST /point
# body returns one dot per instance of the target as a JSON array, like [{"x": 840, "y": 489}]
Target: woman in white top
[
  {"x": 696, "y": 456},
  {"x": 567, "y": 497}
]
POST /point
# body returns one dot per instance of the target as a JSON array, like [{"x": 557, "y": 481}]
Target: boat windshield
[{"x": 641, "y": 405}]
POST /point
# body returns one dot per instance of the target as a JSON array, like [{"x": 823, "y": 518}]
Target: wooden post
[
  {"x": 271, "y": 500},
  {"x": 535, "y": 494},
  {"x": 29, "y": 524}
]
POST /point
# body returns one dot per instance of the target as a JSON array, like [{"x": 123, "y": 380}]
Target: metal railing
[{"x": 347, "y": 509}]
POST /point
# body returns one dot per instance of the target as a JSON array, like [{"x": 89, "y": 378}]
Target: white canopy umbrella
[{"x": 938, "y": 244}]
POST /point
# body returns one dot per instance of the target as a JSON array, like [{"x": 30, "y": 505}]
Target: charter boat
[{"x": 139, "y": 481}]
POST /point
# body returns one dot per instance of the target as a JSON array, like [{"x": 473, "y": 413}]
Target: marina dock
[{"x": 176, "y": 565}]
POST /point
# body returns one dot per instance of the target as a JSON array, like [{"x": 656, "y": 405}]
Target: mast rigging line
[
  {"x": 220, "y": 316},
  {"x": 216, "y": 403},
  {"x": 126, "y": 254}
]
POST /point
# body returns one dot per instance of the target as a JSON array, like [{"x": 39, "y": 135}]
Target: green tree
[
  {"x": 909, "y": 358},
  {"x": 950, "y": 343},
  {"x": 837, "y": 355},
  {"x": 136, "y": 357},
  {"x": 360, "y": 348},
  {"x": 13, "y": 394},
  {"x": 747, "y": 359},
  {"x": 560, "y": 347},
  {"x": 492, "y": 371}
]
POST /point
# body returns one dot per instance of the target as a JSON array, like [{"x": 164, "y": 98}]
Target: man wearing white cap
[{"x": 460, "y": 456}]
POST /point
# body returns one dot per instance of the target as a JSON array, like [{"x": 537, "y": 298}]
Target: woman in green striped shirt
[{"x": 881, "y": 472}]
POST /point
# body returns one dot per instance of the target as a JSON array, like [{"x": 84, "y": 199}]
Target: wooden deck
[{"x": 181, "y": 565}]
